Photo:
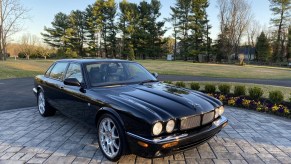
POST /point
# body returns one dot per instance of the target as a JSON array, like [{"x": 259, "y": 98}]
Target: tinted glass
[
  {"x": 74, "y": 71},
  {"x": 104, "y": 73},
  {"x": 58, "y": 71}
]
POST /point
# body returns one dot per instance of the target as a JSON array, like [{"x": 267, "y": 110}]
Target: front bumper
[{"x": 167, "y": 145}]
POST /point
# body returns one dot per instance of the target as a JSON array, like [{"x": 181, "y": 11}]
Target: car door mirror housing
[
  {"x": 155, "y": 74},
  {"x": 72, "y": 82}
]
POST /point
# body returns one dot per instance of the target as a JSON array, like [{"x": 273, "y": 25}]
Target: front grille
[
  {"x": 207, "y": 118},
  {"x": 196, "y": 121},
  {"x": 190, "y": 122}
]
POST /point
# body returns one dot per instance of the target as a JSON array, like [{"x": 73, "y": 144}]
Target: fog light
[
  {"x": 171, "y": 144},
  {"x": 143, "y": 144}
]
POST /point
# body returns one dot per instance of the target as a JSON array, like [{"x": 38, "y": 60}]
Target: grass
[
  {"x": 216, "y": 70},
  {"x": 23, "y": 68},
  {"x": 266, "y": 88},
  {"x": 29, "y": 68}
]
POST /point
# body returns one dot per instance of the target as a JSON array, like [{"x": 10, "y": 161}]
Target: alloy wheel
[{"x": 108, "y": 137}]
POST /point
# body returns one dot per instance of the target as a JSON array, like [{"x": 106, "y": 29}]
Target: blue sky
[{"x": 42, "y": 13}]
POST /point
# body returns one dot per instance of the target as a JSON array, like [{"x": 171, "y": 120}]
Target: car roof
[{"x": 91, "y": 60}]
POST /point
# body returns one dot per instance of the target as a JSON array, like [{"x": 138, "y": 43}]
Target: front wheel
[
  {"x": 43, "y": 107},
  {"x": 110, "y": 137}
]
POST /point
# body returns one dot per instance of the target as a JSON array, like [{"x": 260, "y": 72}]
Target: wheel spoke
[
  {"x": 112, "y": 149},
  {"x": 115, "y": 145}
]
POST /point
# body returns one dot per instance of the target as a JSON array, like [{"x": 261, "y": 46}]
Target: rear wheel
[
  {"x": 43, "y": 107},
  {"x": 111, "y": 137}
]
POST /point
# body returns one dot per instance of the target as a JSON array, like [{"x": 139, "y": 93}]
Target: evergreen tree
[
  {"x": 192, "y": 27},
  {"x": 105, "y": 13},
  {"x": 76, "y": 32},
  {"x": 281, "y": 11},
  {"x": 263, "y": 48},
  {"x": 182, "y": 12},
  {"x": 199, "y": 27},
  {"x": 92, "y": 31},
  {"x": 127, "y": 25},
  {"x": 56, "y": 35}
]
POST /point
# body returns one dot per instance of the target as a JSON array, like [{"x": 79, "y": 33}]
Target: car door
[
  {"x": 75, "y": 99},
  {"x": 54, "y": 83}
]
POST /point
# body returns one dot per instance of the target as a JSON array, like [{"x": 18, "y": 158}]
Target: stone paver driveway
[{"x": 250, "y": 137}]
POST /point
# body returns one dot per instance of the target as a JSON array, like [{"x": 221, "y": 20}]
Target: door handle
[{"x": 61, "y": 87}]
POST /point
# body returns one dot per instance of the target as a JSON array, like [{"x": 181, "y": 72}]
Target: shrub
[
  {"x": 168, "y": 82},
  {"x": 210, "y": 88},
  {"x": 255, "y": 93},
  {"x": 224, "y": 88},
  {"x": 195, "y": 86},
  {"x": 239, "y": 90},
  {"x": 276, "y": 97},
  {"x": 180, "y": 84},
  {"x": 290, "y": 97}
]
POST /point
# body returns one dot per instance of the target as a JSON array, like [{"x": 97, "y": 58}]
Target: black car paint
[{"x": 136, "y": 106}]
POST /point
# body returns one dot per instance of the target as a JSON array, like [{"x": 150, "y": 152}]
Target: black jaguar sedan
[{"x": 132, "y": 111}]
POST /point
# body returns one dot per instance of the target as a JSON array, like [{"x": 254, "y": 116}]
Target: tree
[
  {"x": 127, "y": 24},
  {"x": 56, "y": 36},
  {"x": 181, "y": 12},
  {"x": 11, "y": 15},
  {"x": 199, "y": 28},
  {"x": 105, "y": 13},
  {"x": 253, "y": 33},
  {"x": 280, "y": 9},
  {"x": 234, "y": 16},
  {"x": 28, "y": 45},
  {"x": 263, "y": 48},
  {"x": 76, "y": 32},
  {"x": 92, "y": 31}
]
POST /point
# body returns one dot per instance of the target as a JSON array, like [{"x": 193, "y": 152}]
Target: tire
[
  {"x": 111, "y": 138},
  {"x": 44, "y": 108}
]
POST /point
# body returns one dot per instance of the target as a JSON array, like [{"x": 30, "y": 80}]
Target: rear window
[{"x": 58, "y": 71}]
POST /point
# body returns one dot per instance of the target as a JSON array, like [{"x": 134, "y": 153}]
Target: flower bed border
[{"x": 262, "y": 105}]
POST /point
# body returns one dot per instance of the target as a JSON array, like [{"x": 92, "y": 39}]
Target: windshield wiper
[{"x": 147, "y": 81}]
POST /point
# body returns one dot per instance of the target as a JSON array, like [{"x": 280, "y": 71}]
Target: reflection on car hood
[{"x": 158, "y": 101}]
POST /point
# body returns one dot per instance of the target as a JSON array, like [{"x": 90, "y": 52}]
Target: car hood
[{"x": 157, "y": 101}]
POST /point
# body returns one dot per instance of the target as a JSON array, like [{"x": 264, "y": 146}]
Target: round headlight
[
  {"x": 219, "y": 111},
  {"x": 170, "y": 126},
  {"x": 157, "y": 128}
]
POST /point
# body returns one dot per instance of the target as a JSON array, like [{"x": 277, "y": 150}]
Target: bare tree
[
  {"x": 28, "y": 44},
  {"x": 234, "y": 16},
  {"x": 254, "y": 30},
  {"x": 12, "y": 13}
]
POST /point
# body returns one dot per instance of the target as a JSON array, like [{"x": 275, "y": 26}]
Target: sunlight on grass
[{"x": 30, "y": 68}]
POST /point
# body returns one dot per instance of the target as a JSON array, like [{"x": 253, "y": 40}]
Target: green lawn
[
  {"x": 30, "y": 68},
  {"x": 216, "y": 70}
]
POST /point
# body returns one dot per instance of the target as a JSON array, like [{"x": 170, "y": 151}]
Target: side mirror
[
  {"x": 155, "y": 74},
  {"x": 72, "y": 82}
]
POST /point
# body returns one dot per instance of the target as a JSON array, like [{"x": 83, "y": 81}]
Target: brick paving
[{"x": 250, "y": 137}]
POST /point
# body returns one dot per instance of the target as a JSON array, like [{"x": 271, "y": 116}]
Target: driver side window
[{"x": 74, "y": 71}]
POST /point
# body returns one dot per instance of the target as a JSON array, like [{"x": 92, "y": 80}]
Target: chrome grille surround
[
  {"x": 207, "y": 117},
  {"x": 196, "y": 120},
  {"x": 190, "y": 122}
]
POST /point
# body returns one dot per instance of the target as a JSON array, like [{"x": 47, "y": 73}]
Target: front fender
[{"x": 108, "y": 110}]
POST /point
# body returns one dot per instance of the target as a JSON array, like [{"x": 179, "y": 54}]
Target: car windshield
[{"x": 115, "y": 73}]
